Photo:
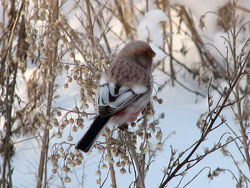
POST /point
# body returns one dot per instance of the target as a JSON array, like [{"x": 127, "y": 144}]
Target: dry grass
[{"x": 39, "y": 34}]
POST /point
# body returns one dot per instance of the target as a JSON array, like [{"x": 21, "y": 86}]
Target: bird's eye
[{"x": 145, "y": 53}]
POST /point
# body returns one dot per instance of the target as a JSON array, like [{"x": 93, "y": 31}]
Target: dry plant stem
[
  {"x": 8, "y": 125},
  {"x": 73, "y": 42},
  {"x": 134, "y": 156},
  {"x": 242, "y": 8},
  {"x": 111, "y": 166},
  {"x": 162, "y": 5},
  {"x": 242, "y": 128},
  {"x": 90, "y": 26},
  {"x": 238, "y": 167},
  {"x": 237, "y": 95},
  {"x": 45, "y": 140},
  {"x": 13, "y": 28},
  {"x": 123, "y": 20},
  {"x": 9, "y": 100},
  {"x": 146, "y": 5},
  {"x": 98, "y": 20},
  {"x": 52, "y": 60},
  {"x": 170, "y": 44},
  {"x": 77, "y": 112},
  {"x": 211, "y": 124},
  {"x": 196, "y": 176},
  {"x": 185, "y": 87},
  {"x": 10, "y": 40},
  {"x": 205, "y": 56}
]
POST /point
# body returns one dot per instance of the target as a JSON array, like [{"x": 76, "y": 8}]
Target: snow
[
  {"x": 149, "y": 30},
  {"x": 199, "y": 8},
  {"x": 182, "y": 110},
  {"x": 181, "y": 116}
]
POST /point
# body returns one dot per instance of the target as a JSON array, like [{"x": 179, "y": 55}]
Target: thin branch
[
  {"x": 196, "y": 176},
  {"x": 134, "y": 156},
  {"x": 210, "y": 126},
  {"x": 111, "y": 166},
  {"x": 185, "y": 87}
]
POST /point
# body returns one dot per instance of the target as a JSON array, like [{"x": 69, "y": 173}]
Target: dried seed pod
[{"x": 67, "y": 179}]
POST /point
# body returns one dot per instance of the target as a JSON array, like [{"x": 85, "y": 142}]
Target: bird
[{"x": 123, "y": 92}]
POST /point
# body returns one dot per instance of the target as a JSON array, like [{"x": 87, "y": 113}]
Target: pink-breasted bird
[{"x": 124, "y": 90}]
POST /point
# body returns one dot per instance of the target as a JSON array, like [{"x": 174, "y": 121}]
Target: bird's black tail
[{"x": 90, "y": 136}]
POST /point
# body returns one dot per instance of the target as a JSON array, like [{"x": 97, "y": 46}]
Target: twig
[
  {"x": 185, "y": 87},
  {"x": 134, "y": 156},
  {"x": 170, "y": 44},
  {"x": 73, "y": 42},
  {"x": 90, "y": 26},
  {"x": 77, "y": 112},
  {"x": 52, "y": 59},
  {"x": 105, "y": 179},
  {"x": 196, "y": 176},
  {"x": 218, "y": 69},
  {"x": 210, "y": 126},
  {"x": 9, "y": 100},
  {"x": 123, "y": 20},
  {"x": 26, "y": 139},
  {"x": 111, "y": 166},
  {"x": 242, "y": 8}
]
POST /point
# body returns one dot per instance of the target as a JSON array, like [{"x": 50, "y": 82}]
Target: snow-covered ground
[
  {"x": 181, "y": 114},
  {"x": 181, "y": 107}
]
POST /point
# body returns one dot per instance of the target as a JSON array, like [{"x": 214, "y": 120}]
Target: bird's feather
[
  {"x": 113, "y": 97},
  {"x": 91, "y": 135}
]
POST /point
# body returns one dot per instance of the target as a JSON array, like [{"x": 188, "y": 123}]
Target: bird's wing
[{"x": 113, "y": 97}]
